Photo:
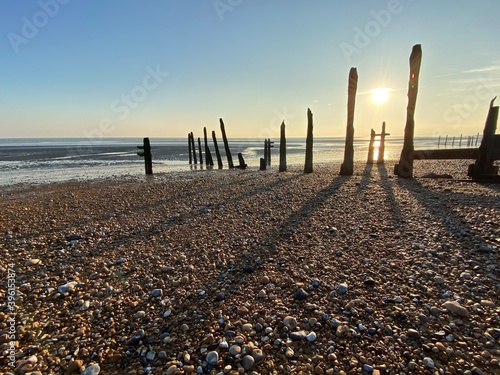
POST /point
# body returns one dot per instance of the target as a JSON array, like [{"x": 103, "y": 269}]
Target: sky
[{"x": 163, "y": 68}]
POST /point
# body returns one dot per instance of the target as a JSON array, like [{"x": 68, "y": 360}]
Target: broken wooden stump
[
  {"x": 242, "y": 161},
  {"x": 381, "y": 147},
  {"x": 371, "y": 147},
  {"x": 308, "y": 165},
  {"x": 347, "y": 167}
]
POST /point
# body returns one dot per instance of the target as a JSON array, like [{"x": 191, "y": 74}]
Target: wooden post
[
  {"x": 242, "y": 161},
  {"x": 266, "y": 149},
  {"x": 484, "y": 163},
  {"x": 460, "y": 143},
  {"x": 189, "y": 147},
  {"x": 146, "y": 153},
  {"x": 282, "y": 167},
  {"x": 446, "y": 141},
  {"x": 453, "y": 142},
  {"x": 371, "y": 147},
  {"x": 308, "y": 165},
  {"x": 193, "y": 148},
  {"x": 477, "y": 138},
  {"x": 405, "y": 166},
  {"x": 439, "y": 141},
  {"x": 262, "y": 164},
  {"x": 217, "y": 153},
  {"x": 208, "y": 155},
  {"x": 269, "y": 146},
  {"x": 347, "y": 167},
  {"x": 381, "y": 148},
  {"x": 199, "y": 148},
  {"x": 226, "y": 145}
]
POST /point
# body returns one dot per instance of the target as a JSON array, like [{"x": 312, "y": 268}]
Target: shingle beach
[{"x": 232, "y": 272}]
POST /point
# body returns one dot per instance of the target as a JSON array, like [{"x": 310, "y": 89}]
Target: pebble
[
  {"x": 92, "y": 370},
  {"x": 32, "y": 262},
  {"x": 298, "y": 335},
  {"x": 342, "y": 288},
  {"x": 235, "y": 350},
  {"x": 455, "y": 307},
  {"x": 428, "y": 362},
  {"x": 248, "y": 362},
  {"x": 258, "y": 355},
  {"x": 156, "y": 292},
  {"x": 301, "y": 294},
  {"x": 311, "y": 336},
  {"x": 172, "y": 370},
  {"x": 290, "y": 322},
  {"x": 212, "y": 358},
  {"x": 67, "y": 288},
  {"x": 413, "y": 334}
]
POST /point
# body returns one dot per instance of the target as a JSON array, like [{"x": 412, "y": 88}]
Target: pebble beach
[{"x": 253, "y": 272}]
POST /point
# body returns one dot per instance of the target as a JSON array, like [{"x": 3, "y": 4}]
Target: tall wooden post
[
  {"x": 269, "y": 145},
  {"x": 208, "y": 155},
  {"x": 439, "y": 141},
  {"x": 405, "y": 166},
  {"x": 308, "y": 165},
  {"x": 282, "y": 167},
  {"x": 446, "y": 141},
  {"x": 347, "y": 167},
  {"x": 381, "y": 147},
  {"x": 371, "y": 147},
  {"x": 193, "y": 148},
  {"x": 189, "y": 149},
  {"x": 199, "y": 149},
  {"x": 217, "y": 153},
  {"x": 226, "y": 145},
  {"x": 146, "y": 153}
]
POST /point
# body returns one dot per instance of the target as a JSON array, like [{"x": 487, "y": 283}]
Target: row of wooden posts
[
  {"x": 470, "y": 141},
  {"x": 485, "y": 155}
]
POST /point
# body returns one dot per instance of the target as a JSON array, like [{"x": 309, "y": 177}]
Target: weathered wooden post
[
  {"x": 282, "y": 167},
  {"x": 190, "y": 151},
  {"x": 146, "y": 153},
  {"x": 486, "y": 151},
  {"x": 477, "y": 138},
  {"x": 460, "y": 143},
  {"x": 269, "y": 146},
  {"x": 208, "y": 155},
  {"x": 405, "y": 166},
  {"x": 453, "y": 142},
  {"x": 308, "y": 165},
  {"x": 439, "y": 141},
  {"x": 193, "y": 148},
  {"x": 242, "y": 161},
  {"x": 446, "y": 141},
  {"x": 266, "y": 150},
  {"x": 371, "y": 147},
  {"x": 347, "y": 167},
  {"x": 217, "y": 153},
  {"x": 226, "y": 145},
  {"x": 381, "y": 147},
  {"x": 263, "y": 164},
  {"x": 199, "y": 148}
]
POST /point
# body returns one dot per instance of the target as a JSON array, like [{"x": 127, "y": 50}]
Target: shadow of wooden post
[
  {"x": 347, "y": 167},
  {"x": 405, "y": 166},
  {"x": 282, "y": 167},
  {"x": 308, "y": 165}
]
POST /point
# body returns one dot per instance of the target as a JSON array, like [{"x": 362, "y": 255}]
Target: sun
[{"x": 380, "y": 95}]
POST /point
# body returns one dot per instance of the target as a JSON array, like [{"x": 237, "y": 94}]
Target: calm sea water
[{"x": 36, "y": 160}]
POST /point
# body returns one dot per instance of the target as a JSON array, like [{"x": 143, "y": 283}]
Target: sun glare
[{"x": 380, "y": 95}]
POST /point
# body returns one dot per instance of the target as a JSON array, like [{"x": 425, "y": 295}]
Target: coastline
[{"x": 172, "y": 268}]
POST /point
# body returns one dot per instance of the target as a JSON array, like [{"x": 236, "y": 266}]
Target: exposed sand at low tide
[{"x": 230, "y": 249}]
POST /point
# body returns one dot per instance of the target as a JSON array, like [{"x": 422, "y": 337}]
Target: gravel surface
[{"x": 236, "y": 272}]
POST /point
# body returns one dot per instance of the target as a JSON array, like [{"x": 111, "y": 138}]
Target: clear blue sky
[{"x": 164, "y": 68}]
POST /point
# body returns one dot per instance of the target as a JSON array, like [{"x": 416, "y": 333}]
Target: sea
[{"x": 43, "y": 160}]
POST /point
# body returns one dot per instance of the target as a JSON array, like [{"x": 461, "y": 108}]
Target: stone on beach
[{"x": 456, "y": 307}]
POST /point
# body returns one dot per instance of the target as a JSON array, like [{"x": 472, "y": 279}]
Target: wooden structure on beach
[
  {"x": 381, "y": 147},
  {"x": 146, "y": 153},
  {"x": 485, "y": 155}
]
